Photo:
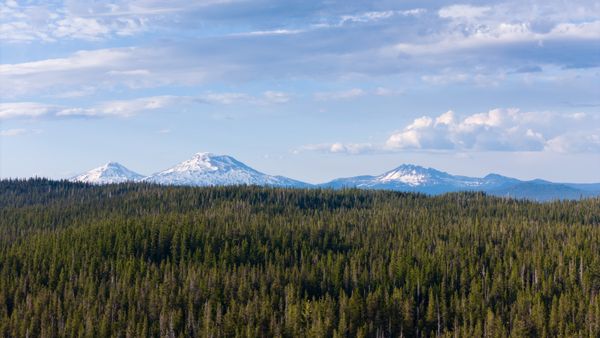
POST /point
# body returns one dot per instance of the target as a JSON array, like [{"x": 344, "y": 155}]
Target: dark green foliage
[{"x": 145, "y": 261}]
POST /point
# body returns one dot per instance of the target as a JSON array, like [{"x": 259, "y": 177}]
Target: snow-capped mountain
[
  {"x": 206, "y": 169},
  {"x": 111, "y": 172},
  {"x": 409, "y": 177}
]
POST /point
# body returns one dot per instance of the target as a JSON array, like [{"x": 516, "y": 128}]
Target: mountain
[
  {"x": 206, "y": 169},
  {"x": 408, "y": 177},
  {"x": 111, "y": 172}
]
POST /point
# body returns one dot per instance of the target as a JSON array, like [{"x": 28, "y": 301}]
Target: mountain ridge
[{"x": 208, "y": 169}]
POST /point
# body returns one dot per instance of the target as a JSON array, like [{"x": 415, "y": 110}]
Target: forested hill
[{"x": 140, "y": 260}]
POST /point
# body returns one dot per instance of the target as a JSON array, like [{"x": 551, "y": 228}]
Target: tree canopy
[{"x": 138, "y": 260}]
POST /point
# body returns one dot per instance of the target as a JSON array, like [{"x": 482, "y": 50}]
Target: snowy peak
[
  {"x": 207, "y": 169},
  {"x": 111, "y": 172},
  {"x": 209, "y": 162},
  {"x": 410, "y": 177},
  {"x": 410, "y": 174}
]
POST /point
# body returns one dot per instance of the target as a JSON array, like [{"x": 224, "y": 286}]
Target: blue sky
[{"x": 312, "y": 90}]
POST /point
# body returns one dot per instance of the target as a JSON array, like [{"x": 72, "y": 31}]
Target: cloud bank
[{"x": 509, "y": 130}]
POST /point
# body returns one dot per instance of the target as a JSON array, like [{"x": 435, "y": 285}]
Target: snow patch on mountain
[
  {"x": 410, "y": 178},
  {"x": 207, "y": 169},
  {"x": 111, "y": 172}
]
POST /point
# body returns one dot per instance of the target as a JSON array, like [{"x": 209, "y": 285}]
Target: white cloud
[
  {"x": 575, "y": 142},
  {"x": 497, "y": 129},
  {"x": 446, "y": 118},
  {"x": 494, "y": 130}
]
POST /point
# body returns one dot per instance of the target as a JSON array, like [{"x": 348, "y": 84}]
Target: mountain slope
[
  {"x": 206, "y": 169},
  {"x": 111, "y": 172},
  {"x": 541, "y": 190}
]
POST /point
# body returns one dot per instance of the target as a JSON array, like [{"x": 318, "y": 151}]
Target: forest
[{"x": 140, "y": 260}]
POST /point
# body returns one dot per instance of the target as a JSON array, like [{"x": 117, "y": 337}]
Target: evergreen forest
[{"x": 140, "y": 260}]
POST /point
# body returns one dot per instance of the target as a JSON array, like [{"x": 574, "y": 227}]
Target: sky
[{"x": 312, "y": 90}]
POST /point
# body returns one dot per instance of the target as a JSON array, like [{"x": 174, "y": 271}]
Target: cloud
[
  {"x": 338, "y": 148},
  {"x": 379, "y": 15},
  {"x": 24, "y": 109},
  {"x": 12, "y": 132},
  {"x": 235, "y": 42},
  {"x": 475, "y": 28},
  {"x": 574, "y": 142},
  {"x": 122, "y": 108},
  {"x": 110, "y": 68},
  {"x": 117, "y": 108},
  {"x": 270, "y": 32},
  {"x": 276, "y": 97},
  {"x": 78, "y": 70},
  {"x": 340, "y": 95},
  {"x": 494, "y": 130},
  {"x": 267, "y": 97},
  {"x": 132, "y": 107},
  {"x": 383, "y": 91},
  {"x": 89, "y": 20},
  {"x": 131, "y": 68},
  {"x": 462, "y": 11}
]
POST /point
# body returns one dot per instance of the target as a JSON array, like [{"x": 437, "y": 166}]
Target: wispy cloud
[
  {"x": 463, "y": 11},
  {"x": 476, "y": 27},
  {"x": 12, "y": 132},
  {"x": 24, "y": 109},
  {"x": 340, "y": 95},
  {"x": 132, "y": 107},
  {"x": 379, "y": 15},
  {"x": 122, "y": 108},
  {"x": 88, "y": 20},
  {"x": 117, "y": 108},
  {"x": 339, "y": 148},
  {"x": 267, "y": 97}
]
